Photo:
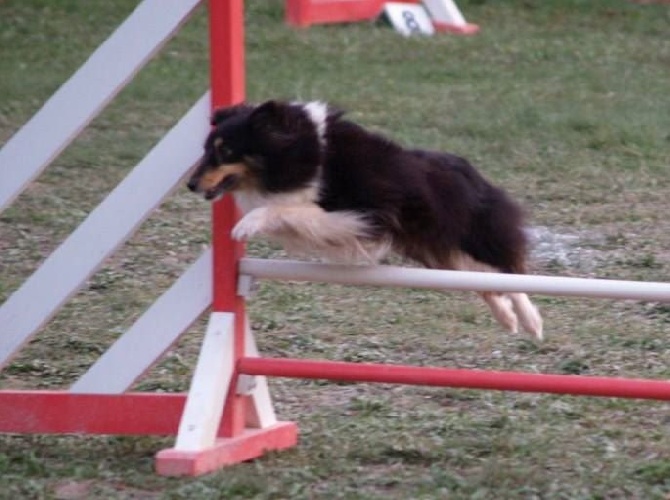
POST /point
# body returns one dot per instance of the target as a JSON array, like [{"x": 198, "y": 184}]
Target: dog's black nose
[{"x": 193, "y": 185}]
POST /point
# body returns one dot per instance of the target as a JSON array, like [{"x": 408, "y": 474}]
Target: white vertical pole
[
  {"x": 445, "y": 12},
  {"x": 209, "y": 386},
  {"x": 260, "y": 412}
]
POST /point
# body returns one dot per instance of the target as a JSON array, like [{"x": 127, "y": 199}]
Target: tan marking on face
[
  {"x": 217, "y": 142},
  {"x": 213, "y": 178}
]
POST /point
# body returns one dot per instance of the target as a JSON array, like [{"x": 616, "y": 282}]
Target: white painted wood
[
  {"x": 454, "y": 280},
  {"x": 152, "y": 334},
  {"x": 246, "y": 286},
  {"x": 245, "y": 384},
  {"x": 409, "y": 19},
  {"x": 445, "y": 11},
  {"x": 209, "y": 386},
  {"x": 87, "y": 92},
  {"x": 260, "y": 413},
  {"x": 109, "y": 225}
]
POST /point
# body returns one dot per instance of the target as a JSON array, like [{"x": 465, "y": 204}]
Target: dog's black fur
[{"x": 432, "y": 207}]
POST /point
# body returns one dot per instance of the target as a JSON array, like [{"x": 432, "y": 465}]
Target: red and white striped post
[
  {"x": 248, "y": 427},
  {"x": 227, "y": 83}
]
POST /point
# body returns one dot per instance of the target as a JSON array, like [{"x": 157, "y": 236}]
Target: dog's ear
[
  {"x": 335, "y": 113},
  {"x": 271, "y": 115},
  {"x": 222, "y": 114},
  {"x": 277, "y": 121}
]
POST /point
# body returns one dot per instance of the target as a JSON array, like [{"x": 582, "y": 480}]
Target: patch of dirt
[
  {"x": 73, "y": 490},
  {"x": 566, "y": 250},
  {"x": 76, "y": 490}
]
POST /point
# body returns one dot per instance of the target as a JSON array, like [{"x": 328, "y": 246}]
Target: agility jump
[{"x": 227, "y": 415}]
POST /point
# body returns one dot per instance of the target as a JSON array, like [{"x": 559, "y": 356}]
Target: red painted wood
[
  {"x": 303, "y": 13},
  {"x": 226, "y": 35},
  {"x": 60, "y": 412},
  {"x": 473, "y": 379},
  {"x": 456, "y": 29},
  {"x": 227, "y": 73},
  {"x": 250, "y": 444}
]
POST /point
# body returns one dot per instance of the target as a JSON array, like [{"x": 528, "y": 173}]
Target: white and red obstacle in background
[
  {"x": 227, "y": 415},
  {"x": 444, "y": 15}
]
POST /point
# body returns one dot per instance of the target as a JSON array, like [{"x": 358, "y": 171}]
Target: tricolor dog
[{"x": 317, "y": 183}]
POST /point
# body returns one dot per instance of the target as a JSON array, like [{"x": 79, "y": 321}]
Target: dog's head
[{"x": 272, "y": 147}]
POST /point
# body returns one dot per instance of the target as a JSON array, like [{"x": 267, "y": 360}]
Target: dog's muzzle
[{"x": 228, "y": 183}]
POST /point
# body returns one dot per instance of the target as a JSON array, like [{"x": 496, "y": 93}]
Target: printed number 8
[{"x": 410, "y": 22}]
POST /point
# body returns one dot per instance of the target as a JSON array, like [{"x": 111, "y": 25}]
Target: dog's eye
[{"x": 221, "y": 150}]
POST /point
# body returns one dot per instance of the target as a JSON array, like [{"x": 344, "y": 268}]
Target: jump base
[
  {"x": 252, "y": 443},
  {"x": 456, "y": 29}
]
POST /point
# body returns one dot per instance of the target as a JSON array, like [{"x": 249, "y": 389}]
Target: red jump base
[
  {"x": 252, "y": 443},
  {"x": 456, "y": 29}
]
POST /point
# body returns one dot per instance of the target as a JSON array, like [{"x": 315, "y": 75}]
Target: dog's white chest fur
[{"x": 296, "y": 222}]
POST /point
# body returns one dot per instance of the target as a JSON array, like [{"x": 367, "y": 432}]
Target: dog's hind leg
[
  {"x": 528, "y": 315},
  {"x": 509, "y": 309},
  {"x": 502, "y": 309}
]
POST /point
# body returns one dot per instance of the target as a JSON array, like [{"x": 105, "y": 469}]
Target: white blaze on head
[{"x": 318, "y": 114}]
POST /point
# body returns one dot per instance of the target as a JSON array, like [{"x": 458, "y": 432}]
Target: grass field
[{"x": 565, "y": 103}]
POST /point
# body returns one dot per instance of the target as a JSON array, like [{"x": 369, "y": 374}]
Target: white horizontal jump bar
[{"x": 453, "y": 280}]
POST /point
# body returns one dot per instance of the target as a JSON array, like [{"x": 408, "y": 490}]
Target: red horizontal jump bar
[{"x": 445, "y": 377}]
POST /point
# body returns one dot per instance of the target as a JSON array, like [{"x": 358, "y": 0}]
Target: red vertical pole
[{"x": 226, "y": 38}]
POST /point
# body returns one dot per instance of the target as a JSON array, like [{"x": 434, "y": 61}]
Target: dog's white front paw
[{"x": 252, "y": 224}]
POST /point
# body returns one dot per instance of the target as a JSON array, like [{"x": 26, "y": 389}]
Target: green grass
[{"x": 565, "y": 103}]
